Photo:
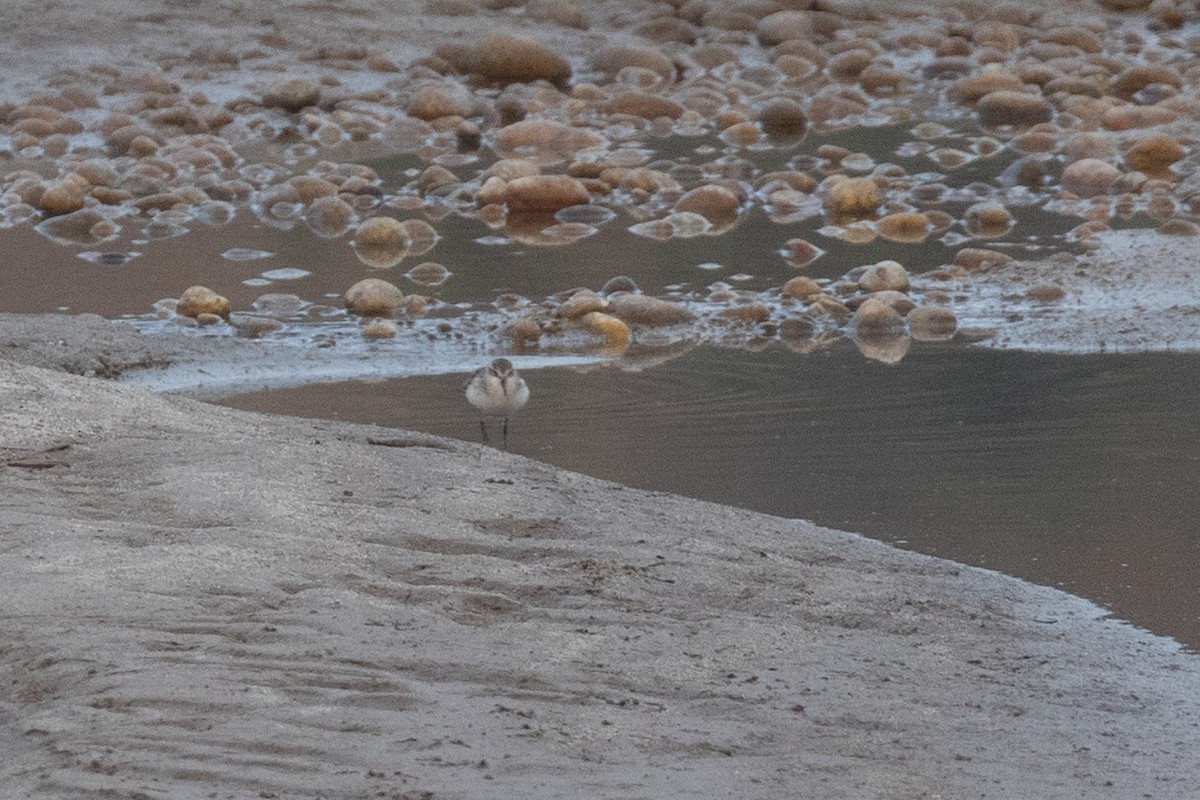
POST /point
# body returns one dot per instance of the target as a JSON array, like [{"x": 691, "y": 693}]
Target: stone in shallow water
[
  {"x": 717, "y": 204},
  {"x": 291, "y": 94},
  {"x": 200, "y": 300},
  {"x": 1089, "y": 177},
  {"x": 853, "y": 197},
  {"x": 245, "y": 254},
  {"x": 504, "y": 59},
  {"x": 379, "y": 329},
  {"x": 585, "y": 214},
  {"x": 286, "y": 274},
  {"x": 545, "y": 193},
  {"x": 614, "y": 331},
  {"x": 279, "y": 305},
  {"x": 330, "y": 217},
  {"x": 640, "y": 309},
  {"x": 932, "y": 323},
  {"x": 111, "y": 259},
  {"x": 421, "y": 236},
  {"x": 908, "y": 227},
  {"x": 874, "y": 319},
  {"x": 253, "y": 325},
  {"x": 428, "y": 274},
  {"x": 373, "y": 296},
  {"x": 800, "y": 252},
  {"x": 87, "y": 226},
  {"x": 884, "y": 276},
  {"x": 988, "y": 219}
]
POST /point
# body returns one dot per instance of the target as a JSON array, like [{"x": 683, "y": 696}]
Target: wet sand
[{"x": 204, "y": 602}]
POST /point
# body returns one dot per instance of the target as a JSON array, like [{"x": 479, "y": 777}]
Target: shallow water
[
  {"x": 1078, "y": 472},
  {"x": 485, "y": 262}
]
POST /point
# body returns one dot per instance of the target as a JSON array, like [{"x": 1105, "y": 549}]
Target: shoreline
[{"x": 280, "y": 584}]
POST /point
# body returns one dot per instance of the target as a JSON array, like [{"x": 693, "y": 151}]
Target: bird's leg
[
  {"x": 483, "y": 429},
  {"x": 506, "y": 433}
]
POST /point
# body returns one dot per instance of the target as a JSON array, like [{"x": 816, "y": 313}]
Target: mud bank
[{"x": 209, "y": 603}]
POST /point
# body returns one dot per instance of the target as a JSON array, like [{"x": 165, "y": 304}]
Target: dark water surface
[{"x": 1081, "y": 472}]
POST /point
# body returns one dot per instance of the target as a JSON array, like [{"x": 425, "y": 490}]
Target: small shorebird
[{"x": 497, "y": 390}]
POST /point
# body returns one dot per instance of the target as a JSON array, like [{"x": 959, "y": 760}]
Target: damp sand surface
[
  {"x": 1069, "y": 471},
  {"x": 202, "y": 600}
]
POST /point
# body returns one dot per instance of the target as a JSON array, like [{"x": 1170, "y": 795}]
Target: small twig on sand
[
  {"x": 22, "y": 461},
  {"x": 410, "y": 442}
]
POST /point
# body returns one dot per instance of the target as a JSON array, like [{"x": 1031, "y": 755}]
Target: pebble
[
  {"x": 503, "y": 58},
  {"x": 292, "y": 94},
  {"x": 932, "y": 323},
  {"x": 373, "y": 297},
  {"x": 884, "y": 276},
  {"x": 853, "y": 197},
  {"x": 640, "y": 309},
  {"x": 197, "y": 300}
]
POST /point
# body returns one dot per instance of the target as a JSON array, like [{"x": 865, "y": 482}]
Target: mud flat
[{"x": 208, "y": 603}]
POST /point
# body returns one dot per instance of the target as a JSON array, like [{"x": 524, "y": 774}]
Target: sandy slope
[{"x": 200, "y": 602}]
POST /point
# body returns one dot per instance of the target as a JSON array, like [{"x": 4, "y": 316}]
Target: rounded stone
[
  {"x": 197, "y": 300},
  {"x": 583, "y": 302},
  {"x": 614, "y": 58},
  {"x": 379, "y": 329},
  {"x": 309, "y": 187},
  {"x": 524, "y": 332},
  {"x": 382, "y": 232},
  {"x": 428, "y": 274},
  {"x": 784, "y": 25},
  {"x": 252, "y": 326},
  {"x": 753, "y": 313},
  {"x": 442, "y": 100},
  {"x": 853, "y": 197},
  {"x": 330, "y": 217},
  {"x": 874, "y": 318},
  {"x": 58, "y": 199},
  {"x": 640, "y": 309},
  {"x": 279, "y": 305},
  {"x": 373, "y": 297},
  {"x": 717, "y": 204},
  {"x": 1090, "y": 144},
  {"x": 503, "y": 58},
  {"x": 644, "y": 105},
  {"x": 1139, "y": 76},
  {"x": 988, "y": 219},
  {"x": 545, "y": 193},
  {"x": 978, "y": 258},
  {"x": 800, "y": 253},
  {"x": 908, "y": 227},
  {"x": 618, "y": 283},
  {"x": 800, "y": 287},
  {"x": 783, "y": 118},
  {"x": 614, "y": 331},
  {"x": 932, "y": 323},
  {"x": 1089, "y": 177},
  {"x": 972, "y": 88},
  {"x": 86, "y": 226},
  {"x": 543, "y": 142},
  {"x": 1013, "y": 108},
  {"x": 421, "y": 236},
  {"x": 1046, "y": 293},
  {"x": 885, "y": 276},
  {"x": 1154, "y": 155},
  {"x": 292, "y": 94}
]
